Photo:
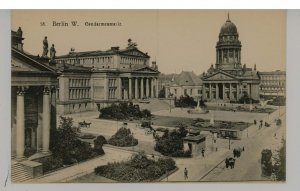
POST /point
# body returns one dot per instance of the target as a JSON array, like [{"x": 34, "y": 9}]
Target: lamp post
[
  {"x": 229, "y": 142},
  {"x": 170, "y": 98}
]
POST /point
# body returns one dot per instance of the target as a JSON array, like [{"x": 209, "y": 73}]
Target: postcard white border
[{"x": 293, "y": 126}]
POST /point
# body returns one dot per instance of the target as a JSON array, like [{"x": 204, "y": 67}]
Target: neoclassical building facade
[
  {"x": 187, "y": 83},
  {"x": 33, "y": 101},
  {"x": 273, "y": 83},
  {"x": 93, "y": 79},
  {"x": 229, "y": 80}
]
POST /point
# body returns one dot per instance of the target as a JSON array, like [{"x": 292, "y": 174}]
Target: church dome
[{"x": 228, "y": 28}]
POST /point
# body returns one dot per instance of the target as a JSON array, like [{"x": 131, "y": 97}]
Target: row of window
[
  {"x": 186, "y": 91},
  {"x": 79, "y": 83},
  {"x": 273, "y": 88},
  {"x": 79, "y": 93},
  {"x": 272, "y": 77},
  {"x": 126, "y": 60},
  {"x": 280, "y": 83},
  {"x": 87, "y": 61}
]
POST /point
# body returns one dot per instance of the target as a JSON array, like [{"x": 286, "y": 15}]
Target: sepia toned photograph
[{"x": 148, "y": 96}]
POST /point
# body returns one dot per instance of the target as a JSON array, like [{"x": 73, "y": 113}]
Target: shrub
[
  {"x": 67, "y": 147},
  {"x": 185, "y": 101},
  {"x": 123, "y": 138},
  {"x": 123, "y": 111},
  {"x": 171, "y": 143},
  {"x": 50, "y": 163},
  {"x": 139, "y": 168},
  {"x": 98, "y": 143}
]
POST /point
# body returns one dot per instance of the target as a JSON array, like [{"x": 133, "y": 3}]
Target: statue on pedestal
[
  {"x": 45, "y": 48},
  {"x": 52, "y": 52},
  {"x": 19, "y": 32}
]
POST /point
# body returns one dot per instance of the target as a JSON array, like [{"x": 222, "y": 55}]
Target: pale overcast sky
[{"x": 177, "y": 39}]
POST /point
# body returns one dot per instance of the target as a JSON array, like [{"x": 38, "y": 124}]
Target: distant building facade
[
  {"x": 273, "y": 83},
  {"x": 185, "y": 83},
  {"x": 92, "y": 80},
  {"x": 229, "y": 80}
]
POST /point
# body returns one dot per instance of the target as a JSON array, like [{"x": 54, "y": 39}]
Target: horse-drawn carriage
[{"x": 84, "y": 124}]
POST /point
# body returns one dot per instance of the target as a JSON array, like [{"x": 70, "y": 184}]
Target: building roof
[
  {"x": 277, "y": 72},
  {"x": 129, "y": 51},
  {"x": 187, "y": 78},
  {"x": 228, "y": 28}
]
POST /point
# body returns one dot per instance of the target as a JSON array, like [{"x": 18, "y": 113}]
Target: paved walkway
[
  {"x": 248, "y": 166},
  {"x": 75, "y": 171}
]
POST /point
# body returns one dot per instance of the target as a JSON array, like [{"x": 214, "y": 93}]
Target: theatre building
[
  {"x": 92, "y": 80},
  {"x": 229, "y": 79},
  {"x": 33, "y": 114}
]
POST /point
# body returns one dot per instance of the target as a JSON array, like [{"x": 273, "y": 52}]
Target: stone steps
[{"x": 19, "y": 174}]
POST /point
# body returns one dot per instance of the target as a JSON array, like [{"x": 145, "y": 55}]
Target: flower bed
[
  {"x": 138, "y": 169},
  {"x": 123, "y": 138}
]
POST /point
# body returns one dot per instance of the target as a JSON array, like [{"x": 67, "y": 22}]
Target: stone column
[
  {"x": 152, "y": 87},
  {"x": 20, "y": 125},
  {"x": 142, "y": 88},
  {"x": 210, "y": 92},
  {"x": 136, "y": 96},
  {"x": 120, "y": 89},
  {"x": 147, "y": 87},
  {"x": 130, "y": 89},
  {"x": 156, "y": 87},
  {"x": 46, "y": 120}
]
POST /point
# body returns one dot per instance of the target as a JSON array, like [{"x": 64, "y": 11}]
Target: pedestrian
[
  {"x": 216, "y": 149},
  {"x": 234, "y": 152},
  {"x": 243, "y": 148},
  {"x": 185, "y": 174},
  {"x": 254, "y": 121},
  {"x": 202, "y": 152},
  {"x": 227, "y": 162}
]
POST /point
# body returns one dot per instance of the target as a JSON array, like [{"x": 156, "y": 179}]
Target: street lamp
[
  {"x": 170, "y": 97},
  {"x": 228, "y": 142}
]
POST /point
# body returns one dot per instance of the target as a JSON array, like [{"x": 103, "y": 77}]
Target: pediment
[
  {"x": 21, "y": 62},
  {"x": 134, "y": 52},
  {"x": 19, "y": 65},
  {"x": 220, "y": 76},
  {"x": 146, "y": 69}
]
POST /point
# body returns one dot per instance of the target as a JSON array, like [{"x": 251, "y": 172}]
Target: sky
[{"x": 179, "y": 40}]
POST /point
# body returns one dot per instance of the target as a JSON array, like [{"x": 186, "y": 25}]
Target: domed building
[{"x": 229, "y": 80}]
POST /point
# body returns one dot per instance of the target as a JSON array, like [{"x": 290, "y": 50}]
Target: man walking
[
  {"x": 185, "y": 174},
  {"x": 202, "y": 152}
]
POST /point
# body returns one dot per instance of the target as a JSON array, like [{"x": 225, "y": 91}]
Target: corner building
[
  {"x": 229, "y": 80},
  {"x": 92, "y": 80}
]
